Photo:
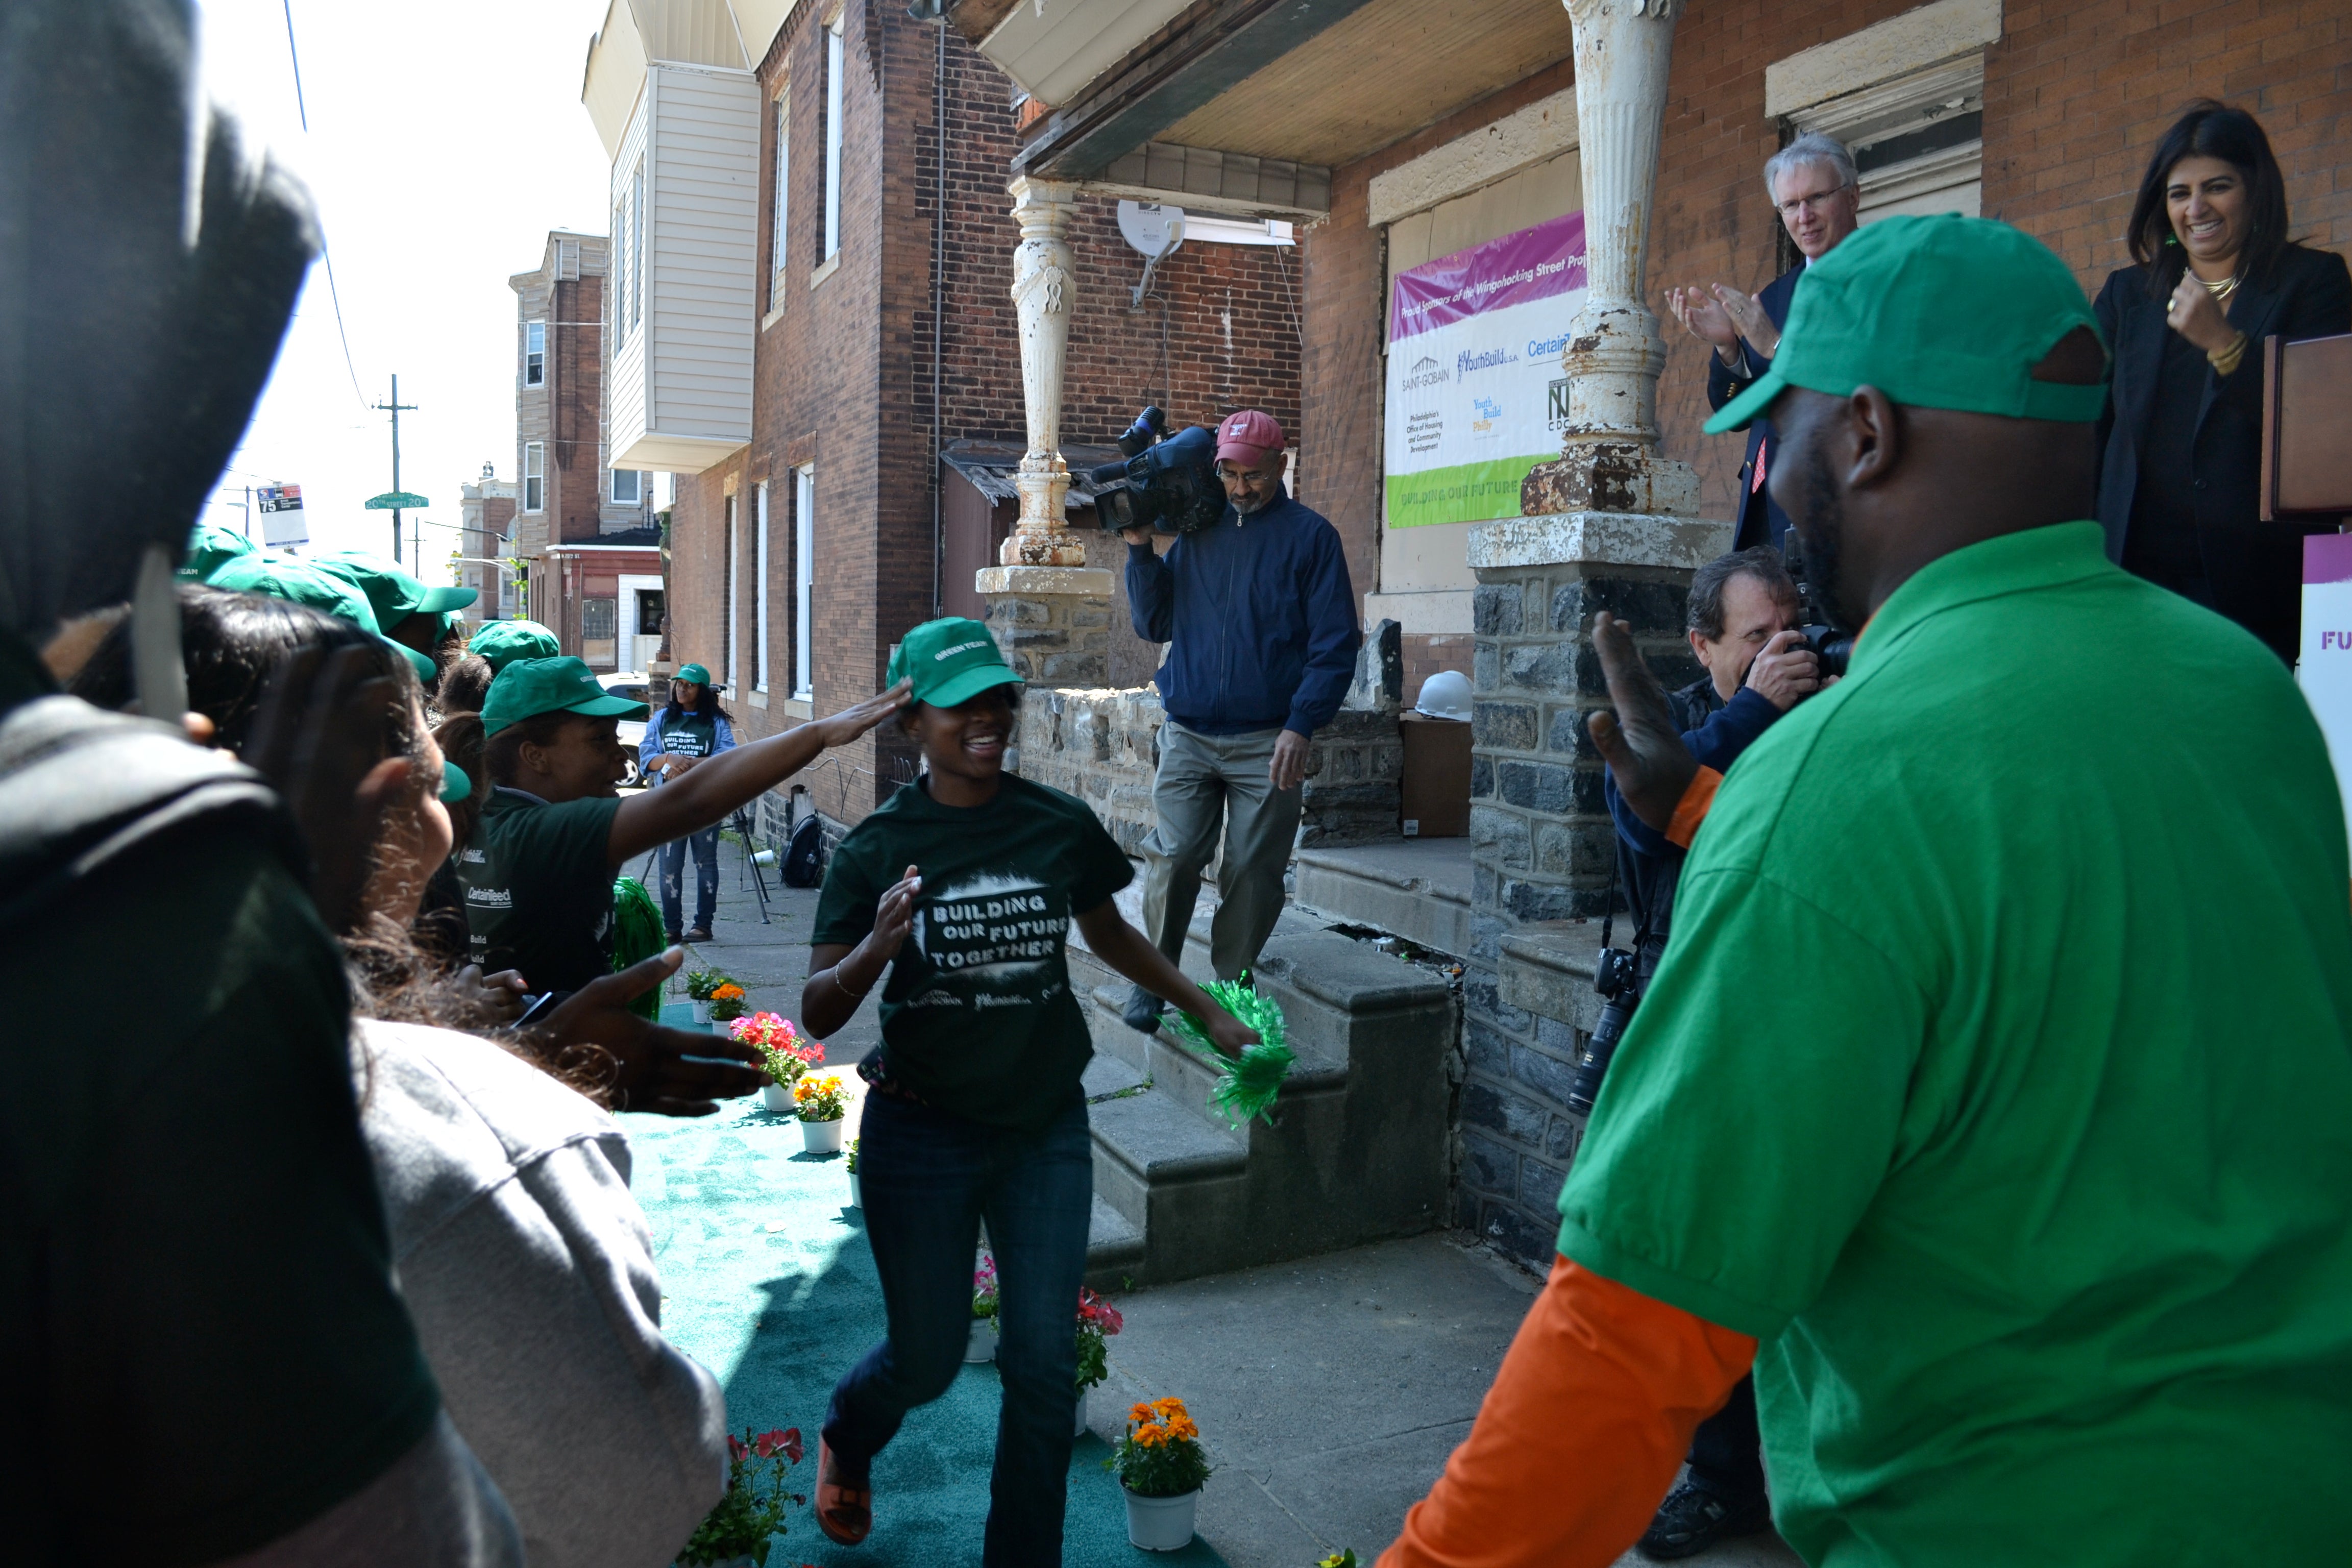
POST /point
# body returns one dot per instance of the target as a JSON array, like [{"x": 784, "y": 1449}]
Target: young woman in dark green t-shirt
[{"x": 957, "y": 898}]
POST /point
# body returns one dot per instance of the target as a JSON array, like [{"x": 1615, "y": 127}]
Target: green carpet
[{"x": 767, "y": 1280}]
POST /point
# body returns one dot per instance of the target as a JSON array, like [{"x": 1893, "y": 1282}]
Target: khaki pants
[{"x": 1204, "y": 783}]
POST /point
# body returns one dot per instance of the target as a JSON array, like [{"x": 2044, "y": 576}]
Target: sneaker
[
  {"x": 1142, "y": 1011},
  {"x": 1693, "y": 1519},
  {"x": 699, "y": 934}
]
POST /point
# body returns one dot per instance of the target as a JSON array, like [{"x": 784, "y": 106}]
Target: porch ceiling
[
  {"x": 1377, "y": 75},
  {"x": 1319, "y": 83}
]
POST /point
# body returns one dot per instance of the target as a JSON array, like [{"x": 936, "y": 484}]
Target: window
[
  {"x": 599, "y": 622},
  {"x": 783, "y": 184},
  {"x": 804, "y": 582},
  {"x": 534, "y": 476},
  {"x": 760, "y": 587},
  {"x": 534, "y": 354},
  {"x": 734, "y": 603},
  {"x": 649, "y": 612},
  {"x": 637, "y": 243},
  {"x": 628, "y": 487},
  {"x": 832, "y": 138}
]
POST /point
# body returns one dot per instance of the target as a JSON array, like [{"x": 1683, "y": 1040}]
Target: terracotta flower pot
[
  {"x": 1160, "y": 1523},
  {"x": 821, "y": 1137},
  {"x": 982, "y": 1346}
]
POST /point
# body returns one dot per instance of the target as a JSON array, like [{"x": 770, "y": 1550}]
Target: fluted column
[
  {"x": 1609, "y": 459},
  {"x": 1044, "y": 289}
]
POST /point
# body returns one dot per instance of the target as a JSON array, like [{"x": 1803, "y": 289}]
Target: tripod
[{"x": 742, "y": 824}]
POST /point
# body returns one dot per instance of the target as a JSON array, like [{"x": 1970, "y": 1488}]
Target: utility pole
[{"x": 394, "y": 408}]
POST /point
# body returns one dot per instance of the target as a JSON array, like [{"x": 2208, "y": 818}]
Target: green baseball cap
[
  {"x": 1936, "y": 312},
  {"x": 529, "y": 687},
  {"x": 210, "y": 547},
  {"x": 456, "y": 784},
  {"x": 395, "y": 594},
  {"x": 950, "y": 661},
  {"x": 301, "y": 582},
  {"x": 698, "y": 674},
  {"x": 500, "y": 643}
]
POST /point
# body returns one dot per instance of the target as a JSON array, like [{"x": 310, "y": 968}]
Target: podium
[{"x": 2307, "y": 479}]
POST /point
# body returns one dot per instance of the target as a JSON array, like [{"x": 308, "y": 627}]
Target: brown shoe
[
  {"x": 699, "y": 934},
  {"x": 845, "y": 1513}
]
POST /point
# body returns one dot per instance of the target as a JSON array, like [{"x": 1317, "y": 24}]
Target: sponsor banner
[
  {"x": 2324, "y": 671},
  {"x": 1476, "y": 395}
]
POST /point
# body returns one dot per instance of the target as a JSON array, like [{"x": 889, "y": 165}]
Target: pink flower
[{"x": 735, "y": 1449}]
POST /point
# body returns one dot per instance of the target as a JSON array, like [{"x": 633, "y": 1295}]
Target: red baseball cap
[{"x": 1247, "y": 436}]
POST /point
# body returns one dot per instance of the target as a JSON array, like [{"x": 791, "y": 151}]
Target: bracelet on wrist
[
  {"x": 843, "y": 986},
  {"x": 2225, "y": 360}
]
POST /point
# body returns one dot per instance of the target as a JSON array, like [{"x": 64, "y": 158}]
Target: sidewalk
[{"x": 1329, "y": 1391}]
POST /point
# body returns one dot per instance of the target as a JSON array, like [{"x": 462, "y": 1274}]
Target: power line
[{"x": 334, "y": 294}]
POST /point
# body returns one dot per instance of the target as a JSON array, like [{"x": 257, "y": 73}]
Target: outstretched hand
[
  {"x": 1645, "y": 752},
  {"x": 851, "y": 722},
  {"x": 655, "y": 1068}
]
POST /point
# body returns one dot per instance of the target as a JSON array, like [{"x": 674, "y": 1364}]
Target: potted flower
[
  {"x": 820, "y": 1102},
  {"x": 737, "y": 1529},
  {"x": 982, "y": 1346},
  {"x": 855, "y": 1201},
  {"x": 1160, "y": 1466},
  {"x": 788, "y": 1056},
  {"x": 726, "y": 1006},
  {"x": 699, "y": 984},
  {"x": 1097, "y": 1320}
]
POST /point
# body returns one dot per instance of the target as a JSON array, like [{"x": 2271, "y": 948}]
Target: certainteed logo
[{"x": 490, "y": 897}]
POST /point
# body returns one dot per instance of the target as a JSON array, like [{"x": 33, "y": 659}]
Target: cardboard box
[{"x": 1435, "y": 789}]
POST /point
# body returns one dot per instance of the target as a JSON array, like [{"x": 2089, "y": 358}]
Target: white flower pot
[
  {"x": 723, "y": 1027},
  {"x": 982, "y": 1346},
  {"x": 777, "y": 1098},
  {"x": 1160, "y": 1523},
  {"x": 854, "y": 1201},
  {"x": 702, "y": 1012},
  {"x": 822, "y": 1137},
  {"x": 1082, "y": 1395}
]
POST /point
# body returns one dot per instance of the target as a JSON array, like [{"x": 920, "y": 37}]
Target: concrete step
[
  {"x": 1417, "y": 888},
  {"x": 1176, "y": 1178},
  {"x": 1114, "y": 1247}
]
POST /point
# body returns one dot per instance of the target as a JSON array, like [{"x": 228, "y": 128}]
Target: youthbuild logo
[{"x": 1490, "y": 360}]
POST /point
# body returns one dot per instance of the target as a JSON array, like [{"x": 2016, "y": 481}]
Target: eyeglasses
[{"x": 1817, "y": 201}]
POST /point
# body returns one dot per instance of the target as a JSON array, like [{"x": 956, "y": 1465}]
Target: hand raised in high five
[
  {"x": 1645, "y": 752},
  {"x": 655, "y": 1067}
]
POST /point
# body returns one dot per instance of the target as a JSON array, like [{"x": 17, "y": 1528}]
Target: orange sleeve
[
  {"x": 1698, "y": 797},
  {"x": 1580, "y": 1436}
]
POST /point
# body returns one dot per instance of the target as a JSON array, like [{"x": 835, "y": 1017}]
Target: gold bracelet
[
  {"x": 2225, "y": 360},
  {"x": 838, "y": 985}
]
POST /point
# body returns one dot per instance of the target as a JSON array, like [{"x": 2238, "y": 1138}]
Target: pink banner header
[
  {"x": 1533, "y": 263},
  {"x": 2327, "y": 558}
]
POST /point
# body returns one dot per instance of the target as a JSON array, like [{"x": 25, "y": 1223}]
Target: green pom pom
[
  {"x": 637, "y": 936},
  {"x": 1247, "y": 1087}
]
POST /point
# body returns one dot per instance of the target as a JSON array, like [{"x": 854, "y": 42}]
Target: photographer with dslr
[
  {"x": 1742, "y": 626},
  {"x": 1262, "y": 619}
]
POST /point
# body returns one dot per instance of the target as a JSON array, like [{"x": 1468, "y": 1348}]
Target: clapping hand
[
  {"x": 894, "y": 917},
  {"x": 1646, "y": 753},
  {"x": 1747, "y": 313}
]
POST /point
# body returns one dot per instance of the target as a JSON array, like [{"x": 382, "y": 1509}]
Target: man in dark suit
[{"x": 1816, "y": 192}]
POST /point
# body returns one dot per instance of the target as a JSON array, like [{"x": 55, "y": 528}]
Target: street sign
[
  {"x": 282, "y": 518},
  {"x": 397, "y": 500}
]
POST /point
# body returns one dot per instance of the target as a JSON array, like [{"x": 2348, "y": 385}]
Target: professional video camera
[
  {"x": 1167, "y": 483},
  {"x": 1831, "y": 644}
]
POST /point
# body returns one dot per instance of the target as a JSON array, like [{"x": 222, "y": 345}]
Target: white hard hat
[{"x": 1445, "y": 695}]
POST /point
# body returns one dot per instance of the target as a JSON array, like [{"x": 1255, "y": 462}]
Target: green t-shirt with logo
[
  {"x": 539, "y": 889},
  {"x": 1997, "y": 1080},
  {"x": 976, "y": 1013},
  {"x": 690, "y": 734}
]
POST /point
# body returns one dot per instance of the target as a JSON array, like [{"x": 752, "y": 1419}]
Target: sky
[{"x": 445, "y": 140}]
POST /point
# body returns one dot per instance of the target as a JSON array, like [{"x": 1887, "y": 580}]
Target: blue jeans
[
  {"x": 705, "y": 845},
  {"x": 927, "y": 1178}
]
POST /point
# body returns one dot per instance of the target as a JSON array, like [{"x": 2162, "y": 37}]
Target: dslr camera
[
  {"x": 1613, "y": 977},
  {"x": 1166, "y": 483},
  {"x": 1831, "y": 644}
]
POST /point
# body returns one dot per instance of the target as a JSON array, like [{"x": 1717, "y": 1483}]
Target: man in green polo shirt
[
  {"x": 537, "y": 870},
  {"x": 1991, "y": 1097}
]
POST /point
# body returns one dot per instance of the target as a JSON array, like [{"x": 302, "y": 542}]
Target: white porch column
[
  {"x": 1609, "y": 460},
  {"x": 1043, "y": 289}
]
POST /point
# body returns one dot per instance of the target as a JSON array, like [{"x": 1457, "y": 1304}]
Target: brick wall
[{"x": 842, "y": 372}]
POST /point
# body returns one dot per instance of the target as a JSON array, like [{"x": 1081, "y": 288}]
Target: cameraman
[
  {"x": 1262, "y": 619},
  {"x": 1743, "y": 611}
]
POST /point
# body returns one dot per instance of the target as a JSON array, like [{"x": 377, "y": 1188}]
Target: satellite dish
[{"x": 1152, "y": 228}]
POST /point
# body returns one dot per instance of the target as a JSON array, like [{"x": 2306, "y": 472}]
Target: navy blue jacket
[
  {"x": 1648, "y": 862},
  {"x": 1760, "y": 521},
  {"x": 1262, "y": 619}
]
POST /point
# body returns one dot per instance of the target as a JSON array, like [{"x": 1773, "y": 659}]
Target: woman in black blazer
[{"x": 2180, "y": 444}]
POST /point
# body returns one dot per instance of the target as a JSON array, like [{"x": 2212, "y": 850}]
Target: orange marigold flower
[
  {"x": 1139, "y": 1413},
  {"x": 1150, "y": 1435},
  {"x": 1181, "y": 1429}
]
